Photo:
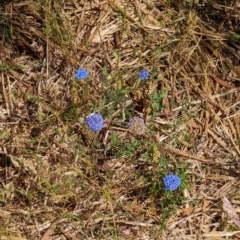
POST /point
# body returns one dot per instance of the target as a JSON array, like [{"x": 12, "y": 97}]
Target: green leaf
[{"x": 114, "y": 138}]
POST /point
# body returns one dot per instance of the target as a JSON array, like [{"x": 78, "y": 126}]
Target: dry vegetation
[{"x": 60, "y": 179}]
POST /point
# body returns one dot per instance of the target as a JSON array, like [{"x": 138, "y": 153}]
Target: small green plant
[
  {"x": 7, "y": 66},
  {"x": 235, "y": 38},
  {"x": 156, "y": 101},
  {"x": 129, "y": 148},
  {"x": 167, "y": 188},
  {"x": 5, "y": 27},
  {"x": 169, "y": 203}
]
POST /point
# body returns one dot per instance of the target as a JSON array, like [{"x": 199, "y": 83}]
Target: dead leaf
[
  {"x": 47, "y": 234},
  {"x": 223, "y": 83},
  {"x": 192, "y": 123},
  {"x": 228, "y": 208}
]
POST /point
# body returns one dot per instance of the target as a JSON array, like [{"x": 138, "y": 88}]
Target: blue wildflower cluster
[
  {"x": 171, "y": 182},
  {"x": 136, "y": 125},
  {"x": 81, "y": 73},
  {"x": 144, "y": 74},
  {"x": 95, "y": 122}
]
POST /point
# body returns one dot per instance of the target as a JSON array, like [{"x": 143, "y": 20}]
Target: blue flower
[
  {"x": 144, "y": 74},
  {"x": 81, "y": 73},
  {"x": 137, "y": 125},
  {"x": 171, "y": 182},
  {"x": 95, "y": 122}
]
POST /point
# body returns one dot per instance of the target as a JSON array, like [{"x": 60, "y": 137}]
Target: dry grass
[{"x": 59, "y": 179}]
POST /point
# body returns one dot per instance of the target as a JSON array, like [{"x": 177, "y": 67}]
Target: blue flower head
[
  {"x": 144, "y": 74},
  {"x": 171, "y": 182},
  {"x": 81, "y": 73},
  {"x": 137, "y": 125},
  {"x": 95, "y": 122}
]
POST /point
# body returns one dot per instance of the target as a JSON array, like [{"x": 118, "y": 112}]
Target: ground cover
[{"x": 162, "y": 79}]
